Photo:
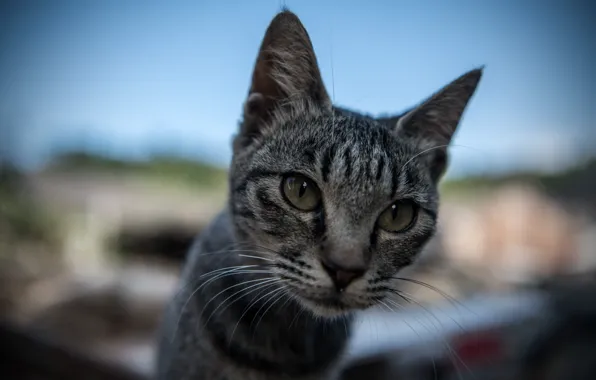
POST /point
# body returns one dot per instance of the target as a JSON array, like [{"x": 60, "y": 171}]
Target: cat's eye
[
  {"x": 398, "y": 217},
  {"x": 301, "y": 192}
]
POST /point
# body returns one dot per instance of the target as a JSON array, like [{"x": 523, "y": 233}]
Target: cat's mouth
[
  {"x": 332, "y": 304},
  {"x": 334, "y": 301}
]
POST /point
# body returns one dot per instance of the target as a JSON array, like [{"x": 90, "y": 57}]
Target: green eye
[
  {"x": 301, "y": 192},
  {"x": 397, "y": 217}
]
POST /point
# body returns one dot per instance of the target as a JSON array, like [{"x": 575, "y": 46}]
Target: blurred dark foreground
[{"x": 547, "y": 333}]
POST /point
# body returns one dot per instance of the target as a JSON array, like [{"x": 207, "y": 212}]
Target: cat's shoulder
[{"x": 215, "y": 237}]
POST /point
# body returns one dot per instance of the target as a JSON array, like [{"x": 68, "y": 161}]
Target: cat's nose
[{"x": 342, "y": 276}]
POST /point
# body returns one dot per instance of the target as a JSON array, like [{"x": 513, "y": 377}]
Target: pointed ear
[
  {"x": 286, "y": 70},
  {"x": 434, "y": 121}
]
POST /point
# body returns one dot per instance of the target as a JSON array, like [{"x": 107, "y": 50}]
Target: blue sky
[{"x": 131, "y": 77}]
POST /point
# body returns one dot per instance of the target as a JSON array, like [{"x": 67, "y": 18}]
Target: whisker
[
  {"x": 265, "y": 248},
  {"x": 230, "y": 272},
  {"x": 400, "y": 306},
  {"x": 235, "y": 286},
  {"x": 247, "y": 308},
  {"x": 421, "y": 153},
  {"x": 217, "y": 274},
  {"x": 446, "y": 344},
  {"x": 260, "y": 284},
  {"x": 254, "y": 257},
  {"x": 438, "y": 147},
  {"x": 260, "y": 308},
  {"x": 279, "y": 295},
  {"x": 219, "y": 270},
  {"x": 434, "y": 288},
  {"x": 224, "y": 271},
  {"x": 236, "y": 247},
  {"x": 298, "y": 314},
  {"x": 410, "y": 298},
  {"x": 288, "y": 299},
  {"x": 411, "y": 328},
  {"x": 244, "y": 313},
  {"x": 227, "y": 250}
]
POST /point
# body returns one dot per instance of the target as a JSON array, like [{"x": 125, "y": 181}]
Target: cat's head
[{"x": 345, "y": 201}]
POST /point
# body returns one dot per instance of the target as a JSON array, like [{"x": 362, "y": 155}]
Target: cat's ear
[
  {"x": 286, "y": 69},
  {"x": 434, "y": 121}
]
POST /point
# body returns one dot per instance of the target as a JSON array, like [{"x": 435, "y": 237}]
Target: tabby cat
[{"x": 325, "y": 207}]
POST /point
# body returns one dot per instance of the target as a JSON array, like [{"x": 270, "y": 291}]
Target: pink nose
[{"x": 342, "y": 277}]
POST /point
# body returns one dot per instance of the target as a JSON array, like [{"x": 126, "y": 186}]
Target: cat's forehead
[
  {"x": 355, "y": 158},
  {"x": 336, "y": 132}
]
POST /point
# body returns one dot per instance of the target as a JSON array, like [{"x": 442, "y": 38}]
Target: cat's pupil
[
  {"x": 393, "y": 211},
  {"x": 302, "y": 189}
]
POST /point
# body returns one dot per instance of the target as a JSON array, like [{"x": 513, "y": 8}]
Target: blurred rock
[{"x": 514, "y": 235}]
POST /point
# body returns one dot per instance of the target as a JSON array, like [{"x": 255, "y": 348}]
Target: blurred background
[{"x": 116, "y": 120}]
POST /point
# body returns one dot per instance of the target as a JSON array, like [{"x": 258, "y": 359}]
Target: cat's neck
[{"x": 260, "y": 326}]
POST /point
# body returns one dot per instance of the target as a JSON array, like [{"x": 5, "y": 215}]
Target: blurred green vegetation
[
  {"x": 169, "y": 170},
  {"x": 578, "y": 181},
  {"x": 22, "y": 219}
]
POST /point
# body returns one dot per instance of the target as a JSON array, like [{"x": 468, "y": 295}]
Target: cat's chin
[{"x": 331, "y": 307}]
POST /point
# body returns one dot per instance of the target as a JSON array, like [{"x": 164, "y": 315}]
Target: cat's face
[{"x": 338, "y": 203}]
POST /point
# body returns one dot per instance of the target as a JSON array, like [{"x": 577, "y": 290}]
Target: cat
[{"x": 326, "y": 206}]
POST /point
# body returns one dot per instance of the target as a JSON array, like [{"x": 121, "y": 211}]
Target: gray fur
[{"x": 276, "y": 313}]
